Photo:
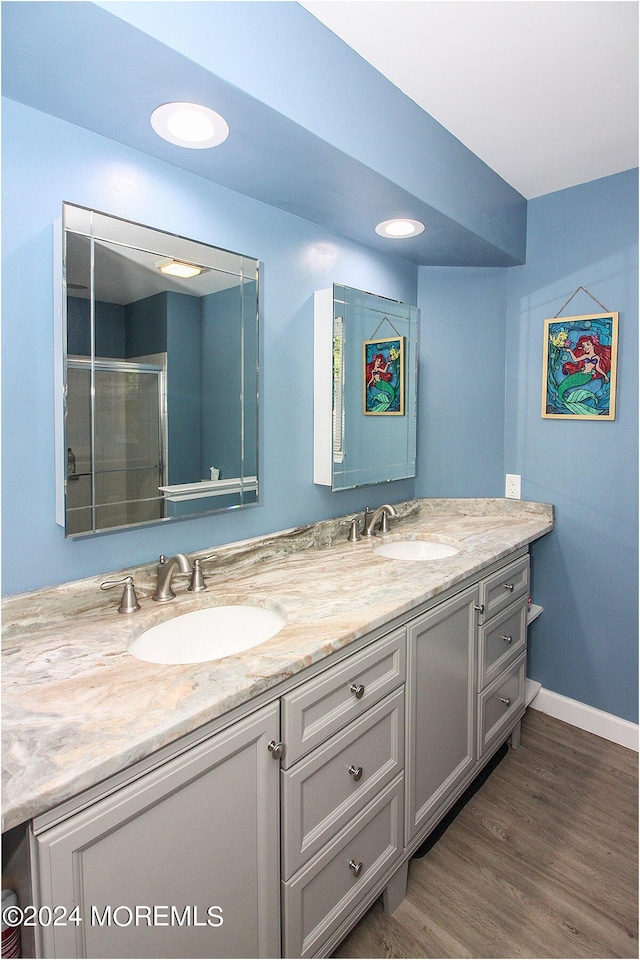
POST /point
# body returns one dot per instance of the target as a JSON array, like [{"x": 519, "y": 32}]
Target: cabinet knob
[
  {"x": 479, "y": 607},
  {"x": 508, "y": 586},
  {"x": 506, "y": 700},
  {"x": 507, "y": 639},
  {"x": 356, "y": 867},
  {"x": 358, "y": 690},
  {"x": 276, "y": 750},
  {"x": 356, "y": 772}
]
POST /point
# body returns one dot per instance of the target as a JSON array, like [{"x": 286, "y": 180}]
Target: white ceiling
[{"x": 544, "y": 91}]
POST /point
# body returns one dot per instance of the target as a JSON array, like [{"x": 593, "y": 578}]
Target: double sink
[{"x": 216, "y": 632}]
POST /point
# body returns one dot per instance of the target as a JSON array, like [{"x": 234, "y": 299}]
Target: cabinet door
[
  {"x": 441, "y": 705},
  {"x": 183, "y": 862}
]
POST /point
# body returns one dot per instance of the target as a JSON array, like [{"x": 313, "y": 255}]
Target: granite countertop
[{"x": 77, "y": 707}]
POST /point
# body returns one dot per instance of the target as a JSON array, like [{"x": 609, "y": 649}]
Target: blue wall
[
  {"x": 46, "y": 161},
  {"x": 480, "y": 402},
  {"x": 586, "y": 572},
  {"x": 461, "y": 382}
]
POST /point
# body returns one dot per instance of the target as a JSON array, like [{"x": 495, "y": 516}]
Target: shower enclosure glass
[{"x": 114, "y": 472}]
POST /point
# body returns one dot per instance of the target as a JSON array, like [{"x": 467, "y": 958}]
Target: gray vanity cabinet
[
  {"x": 500, "y": 707},
  {"x": 501, "y": 641},
  {"x": 342, "y": 792},
  {"x": 333, "y": 884},
  {"x": 441, "y": 706},
  {"x": 466, "y": 662},
  {"x": 502, "y": 654},
  {"x": 322, "y": 792},
  {"x": 249, "y": 851},
  {"x": 498, "y": 591},
  {"x": 196, "y": 839},
  {"x": 325, "y": 705}
]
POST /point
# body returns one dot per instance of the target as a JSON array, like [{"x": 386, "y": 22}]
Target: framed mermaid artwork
[
  {"x": 383, "y": 377},
  {"x": 579, "y": 367}
]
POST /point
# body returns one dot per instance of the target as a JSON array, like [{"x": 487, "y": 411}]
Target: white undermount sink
[
  {"x": 415, "y": 550},
  {"x": 209, "y": 634}
]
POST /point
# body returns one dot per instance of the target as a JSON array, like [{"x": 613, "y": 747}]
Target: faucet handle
[
  {"x": 129, "y": 602},
  {"x": 354, "y": 533},
  {"x": 197, "y": 583},
  {"x": 384, "y": 522}
]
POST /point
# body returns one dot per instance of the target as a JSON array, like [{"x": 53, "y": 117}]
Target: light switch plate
[{"x": 512, "y": 486}]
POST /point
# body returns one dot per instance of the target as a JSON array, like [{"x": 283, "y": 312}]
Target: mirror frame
[{"x": 98, "y": 226}]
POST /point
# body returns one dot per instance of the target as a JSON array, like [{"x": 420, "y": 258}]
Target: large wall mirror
[
  {"x": 157, "y": 375},
  {"x": 365, "y": 388}
]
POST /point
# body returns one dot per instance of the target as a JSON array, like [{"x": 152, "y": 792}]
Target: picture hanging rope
[
  {"x": 386, "y": 320},
  {"x": 595, "y": 299}
]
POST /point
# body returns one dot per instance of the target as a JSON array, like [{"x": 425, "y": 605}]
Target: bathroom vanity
[{"x": 258, "y": 805}]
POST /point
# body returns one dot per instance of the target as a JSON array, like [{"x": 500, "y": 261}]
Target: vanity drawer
[
  {"x": 502, "y": 640},
  {"x": 323, "y": 792},
  {"x": 324, "y": 705},
  {"x": 501, "y": 705},
  {"x": 501, "y": 589},
  {"x": 323, "y": 894}
]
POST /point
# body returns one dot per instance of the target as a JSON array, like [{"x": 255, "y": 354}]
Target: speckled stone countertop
[{"x": 77, "y": 707}]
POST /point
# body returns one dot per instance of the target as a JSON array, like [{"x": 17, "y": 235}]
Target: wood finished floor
[{"x": 542, "y": 862}]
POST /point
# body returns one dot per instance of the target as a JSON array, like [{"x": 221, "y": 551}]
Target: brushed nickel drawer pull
[
  {"x": 479, "y": 607},
  {"x": 506, "y": 700},
  {"x": 276, "y": 750},
  {"x": 356, "y": 867},
  {"x": 508, "y": 586},
  {"x": 507, "y": 639},
  {"x": 356, "y": 772},
  {"x": 358, "y": 690}
]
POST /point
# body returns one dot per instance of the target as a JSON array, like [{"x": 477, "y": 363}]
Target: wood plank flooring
[{"x": 542, "y": 862}]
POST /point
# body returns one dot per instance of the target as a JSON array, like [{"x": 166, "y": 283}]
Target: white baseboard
[
  {"x": 531, "y": 690},
  {"x": 583, "y": 716}
]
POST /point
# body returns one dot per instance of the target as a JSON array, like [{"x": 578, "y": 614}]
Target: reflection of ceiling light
[
  {"x": 176, "y": 268},
  {"x": 189, "y": 125},
  {"x": 399, "y": 229}
]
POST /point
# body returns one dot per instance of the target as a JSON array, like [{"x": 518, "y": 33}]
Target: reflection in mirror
[
  {"x": 365, "y": 403},
  {"x": 158, "y": 373}
]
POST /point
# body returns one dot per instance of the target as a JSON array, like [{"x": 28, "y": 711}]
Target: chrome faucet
[
  {"x": 383, "y": 512},
  {"x": 166, "y": 569}
]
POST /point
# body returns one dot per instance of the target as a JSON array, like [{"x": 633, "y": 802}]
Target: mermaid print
[
  {"x": 383, "y": 376},
  {"x": 580, "y": 367}
]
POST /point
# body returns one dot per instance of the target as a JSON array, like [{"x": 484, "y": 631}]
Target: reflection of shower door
[{"x": 114, "y": 472}]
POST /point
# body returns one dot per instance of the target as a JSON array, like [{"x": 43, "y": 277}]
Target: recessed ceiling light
[
  {"x": 399, "y": 229},
  {"x": 176, "y": 268},
  {"x": 189, "y": 125}
]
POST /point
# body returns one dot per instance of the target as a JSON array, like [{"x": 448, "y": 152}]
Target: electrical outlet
[{"x": 512, "y": 486}]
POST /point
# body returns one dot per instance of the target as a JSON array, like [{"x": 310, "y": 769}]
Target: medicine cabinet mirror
[
  {"x": 156, "y": 374},
  {"x": 365, "y": 388}
]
